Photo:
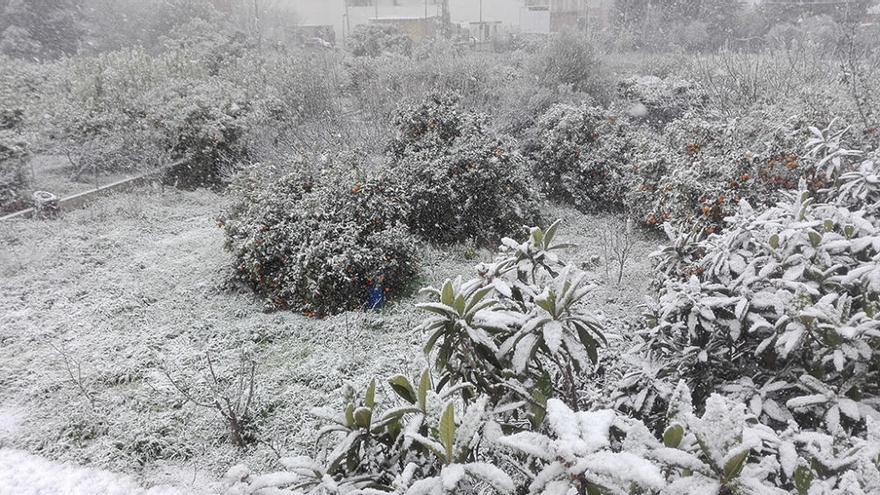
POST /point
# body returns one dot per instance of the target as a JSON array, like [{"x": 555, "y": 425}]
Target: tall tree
[{"x": 794, "y": 10}]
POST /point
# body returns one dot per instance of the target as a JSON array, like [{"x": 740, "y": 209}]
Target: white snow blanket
[{"x": 25, "y": 474}]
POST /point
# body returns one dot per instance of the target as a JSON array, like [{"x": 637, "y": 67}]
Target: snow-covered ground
[
  {"x": 25, "y": 474},
  {"x": 98, "y": 303}
]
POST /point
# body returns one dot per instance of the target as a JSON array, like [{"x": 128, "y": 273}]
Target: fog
[{"x": 51, "y": 28}]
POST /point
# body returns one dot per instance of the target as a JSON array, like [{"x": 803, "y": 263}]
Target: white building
[{"x": 510, "y": 15}]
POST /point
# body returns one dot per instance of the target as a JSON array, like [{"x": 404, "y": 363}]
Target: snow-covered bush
[
  {"x": 204, "y": 122},
  {"x": 579, "y": 456},
  {"x": 318, "y": 244},
  {"x": 569, "y": 59},
  {"x": 518, "y": 331},
  {"x": 658, "y": 101},
  {"x": 700, "y": 166},
  {"x": 691, "y": 171},
  {"x": 723, "y": 450},
  {"x": 434, "y": 124},
  {"x": 130, "y": 110},
  {"x": 422, "y": 439},
  {"x": 779, "y": 312},
  {"x": 783, "y": 294},
  {"x": 578, "y": 155},
  {"x": 13, "y": 152},
  {"x": 95, "y": 109},
  {"x": 372, "y": 40},
  {"x": 459, "y": 182}
]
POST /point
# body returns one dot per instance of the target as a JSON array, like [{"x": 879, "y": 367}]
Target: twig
[{"x": 76, "y": 378}]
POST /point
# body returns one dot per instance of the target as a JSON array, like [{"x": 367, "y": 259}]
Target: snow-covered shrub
[
  {"x": 570, "y": 59},
  {"x": 578, "y": 456},
  {"x": 782, "y": 295},
  {"x": 578, "y": 155},
  {"x": 423, "y": 439},
  {"x": 95, "y": 108},
  {"x": 723, "y": 450},
  {"x": 372, "y": 40},
  {"x": 692, "y": 171},
  {"x": 658, "y": 101},
  {"x": 204, "y": 122},
  {"x": 700, "y": 166},
  {"x": 433, "y": 125},
  {"x": 518, "y": 331},
  {"x": 13, "y": 153},
  {"x": 317, "y": 244},
  {"x": 778, "y": 312},
  {"x": 459, "y": 182},
  {"x": 129, "y": 110},
  {"x": 728, "y": 449}
]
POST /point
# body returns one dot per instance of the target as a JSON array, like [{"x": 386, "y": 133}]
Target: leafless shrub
[
  {"x": 734, "y": 80},
  {"x": 616, "y": 233},
  {"x": 860, "y": 70},
  {"x": 75, "y": 373},
  {"x": 231, "y": 400}
]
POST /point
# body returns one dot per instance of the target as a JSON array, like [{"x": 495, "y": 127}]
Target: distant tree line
[
  {"x": 709, "y": 24},
  {"x": 40, "y": 28},
  {"x": 49, "y": 29}
]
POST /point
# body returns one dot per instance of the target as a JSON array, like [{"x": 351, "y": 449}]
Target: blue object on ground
[{"x": 376, "y": 297}]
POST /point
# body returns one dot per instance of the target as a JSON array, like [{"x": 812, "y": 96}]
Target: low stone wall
[{"x": 81, "y": 199}]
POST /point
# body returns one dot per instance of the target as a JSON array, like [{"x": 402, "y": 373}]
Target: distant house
[
  {"x": 560, "y": 15},
  {"x": 345, "y": 15},
  {"x": 483, "y": 17},
  {"x": 417, "y": 28},
  {"x": 873, "y": 15}
]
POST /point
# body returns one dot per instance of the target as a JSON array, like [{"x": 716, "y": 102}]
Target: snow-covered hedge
[
  {"x": 129, "y": 110},
  {"x": 204, "y": 122}
]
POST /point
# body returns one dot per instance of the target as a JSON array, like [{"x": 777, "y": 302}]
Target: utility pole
[
  {"x": 346, "y": 28},
  {"x": 445, "y": 18},
  {"x": 257, "y": 30},
  {"x": 586, "y": 16},
  {"x": 376, "y": 4},
  {"x": 481, "y": 21}
]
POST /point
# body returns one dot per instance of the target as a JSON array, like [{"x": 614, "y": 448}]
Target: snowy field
[{"x": 103, "y": 300}]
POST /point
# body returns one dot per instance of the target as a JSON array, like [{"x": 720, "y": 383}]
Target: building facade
[{"x": 479, "y": 16}]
